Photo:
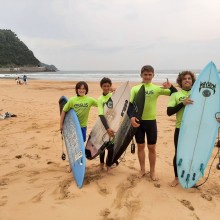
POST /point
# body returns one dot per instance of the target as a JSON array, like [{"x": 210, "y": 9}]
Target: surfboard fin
[
  {"x": 180, "y": 162},
  {"x": 202, "y": 168},
  {"x": 194, "y": 176},
  {"x": 183, "y": 172},
  {"x": 187, "y": 177}
]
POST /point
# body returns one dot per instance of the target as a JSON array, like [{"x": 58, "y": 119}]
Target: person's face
[
  {"x": 147, "y": 76},
  {"x": 81, "y": 91},
  {"x": 106, "y": 88},
  {"x": 187, "y": 82}
]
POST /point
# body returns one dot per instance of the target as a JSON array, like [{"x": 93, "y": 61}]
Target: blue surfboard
[
  {"x": 199, "y": 127},
  {"x": 74, "y": 143}
]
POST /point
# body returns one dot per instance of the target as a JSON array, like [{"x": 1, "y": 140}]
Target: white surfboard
[
  {"x": 114, "y": 117},
  {"x": 199, "y": 127}
]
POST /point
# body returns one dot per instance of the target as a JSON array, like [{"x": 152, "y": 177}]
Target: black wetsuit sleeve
[
  {"x": 172, "y": 89},
  {"x": 130, "y": 110},
  {"x": 104, "y": 122},
  {"x": 174, "y": 110}
]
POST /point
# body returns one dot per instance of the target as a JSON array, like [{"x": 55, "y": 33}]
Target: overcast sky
[{"x": 117, "y": 34}]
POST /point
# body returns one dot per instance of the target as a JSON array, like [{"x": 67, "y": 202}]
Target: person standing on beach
[
  {"x": 176, "y": 105},
  {"x": 18, "y": 81},
  {"x": 148, "y": 125},
  {"x": 105, "y": 99},
  {"x": 25, "y": 79},
  {"x": 81, "y": 104}
]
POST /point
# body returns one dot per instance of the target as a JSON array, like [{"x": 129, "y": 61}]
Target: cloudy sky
[{"x": 117, "y": 34}]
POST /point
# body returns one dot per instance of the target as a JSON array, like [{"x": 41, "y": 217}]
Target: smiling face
[
  {"x": 187, "y": 82},
  {"x": 106, "y": 88},
  {"x": 147, "y": 76},
  {"x": 81, "y": 91}
]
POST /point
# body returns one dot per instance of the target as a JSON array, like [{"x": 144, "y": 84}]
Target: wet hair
[
  {"x": 147, "y": 68},
  {"x": 105, "y": 80},
  {"x": 182, "y": 75},
  {"x": 79, "y": 84}
]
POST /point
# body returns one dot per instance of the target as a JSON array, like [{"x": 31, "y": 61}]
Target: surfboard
[
  {"x": 114, "y": 115},
  {"x": 74, "y": 143},
  {"x": 126, "y": 131},
  {"x": 199, "y": 127}
]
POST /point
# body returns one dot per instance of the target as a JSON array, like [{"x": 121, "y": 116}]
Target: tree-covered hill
[{"x": 13, "y": 52}]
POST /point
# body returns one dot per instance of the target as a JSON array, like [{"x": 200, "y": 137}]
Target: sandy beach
[{"x": 35, "y": 184}]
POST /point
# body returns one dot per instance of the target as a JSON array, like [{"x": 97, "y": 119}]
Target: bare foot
[
  {"x": 141, "y": 174},
  {"x": 108, "y": 170},
  {"x": 101, "y": 166},
  {"x": 175, "y": 182},
  {"x": 154, "y": 177}
]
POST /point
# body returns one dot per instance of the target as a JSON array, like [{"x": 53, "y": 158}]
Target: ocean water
[{"x": 115, "y": 76}]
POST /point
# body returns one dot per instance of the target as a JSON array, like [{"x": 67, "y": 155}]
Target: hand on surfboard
[
  {"x": 135, "y": 122},
  {"x": 110, "y": 132},
  {"x": 187, "y": 101}
]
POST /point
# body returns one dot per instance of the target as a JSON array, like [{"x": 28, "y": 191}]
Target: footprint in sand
[
  {"x": 34, "y": 157},
  {"x": 45, "y": 148},
  {"x": 124, "y": 190},
  {"x": 62, "y": 191},
  {"x": 133, "y": 207},
  {"x": 92, "y": 176},
  {"x": 187, "y": 204},
  {"x": 3, "y": 202},
  {"x": 38, "y": 197},
  {"x": 4, "y": 181},
  {"x": 21, "y": 165},
  {"x": 206, "y": 196},
  {"x": 105, "y": 213},
  {"x": 102, "y": 189}
]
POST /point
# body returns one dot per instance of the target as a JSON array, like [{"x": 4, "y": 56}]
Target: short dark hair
[
  {"x": 79, "y": 84},
  {"x": 105, "y": 80},
  {"x": 147, "y": 68},
  {"x": 182, "y": 75}
]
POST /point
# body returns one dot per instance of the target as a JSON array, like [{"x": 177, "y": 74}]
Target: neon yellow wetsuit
[
  {"x": 152, "y": 92},
  {"x": 175, "y": 99},
  {"x": 81, "y": 105},
  {"x": 102, "y": 100},
  {"x": 148, "y": 123}
]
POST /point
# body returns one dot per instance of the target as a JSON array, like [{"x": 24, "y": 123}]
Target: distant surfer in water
[
  {"x": 148, "y": 125},
  {"x": 105, "y": 99},
  {"x": 176, "y": 105}
]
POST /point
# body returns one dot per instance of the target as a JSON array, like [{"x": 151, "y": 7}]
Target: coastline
[{"x": 34, "y": 181}]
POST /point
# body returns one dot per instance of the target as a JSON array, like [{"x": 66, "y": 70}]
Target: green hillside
[{"x": 13, "y": 52}]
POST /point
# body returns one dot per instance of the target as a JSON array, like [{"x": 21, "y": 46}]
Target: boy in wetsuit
[
  {"x": 176, "y": 105},
  {"x": 148, "y": 125},
  {"x": 105, "y": 99}
]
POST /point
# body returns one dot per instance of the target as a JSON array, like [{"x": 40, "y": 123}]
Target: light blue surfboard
[
  {"x": 74, "y": 143},
  {"x": 199, "y": 127}
]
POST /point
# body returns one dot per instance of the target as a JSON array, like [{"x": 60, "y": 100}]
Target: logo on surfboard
[{"x": 207, "y": 86}]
